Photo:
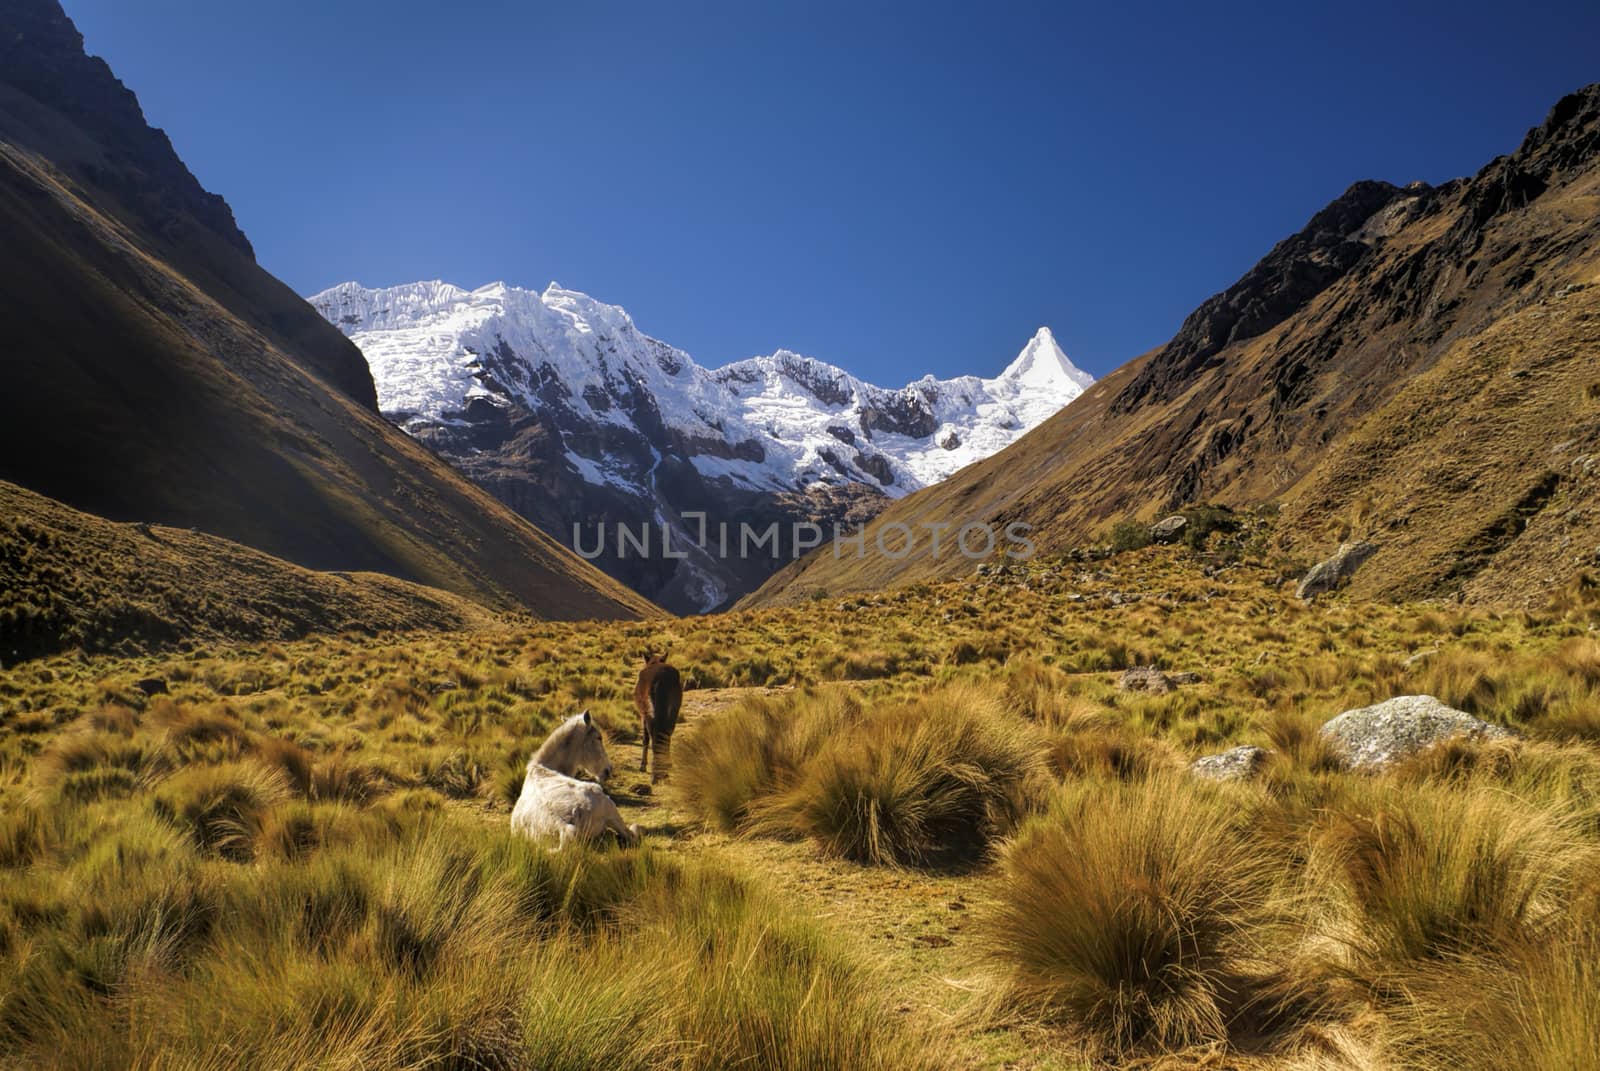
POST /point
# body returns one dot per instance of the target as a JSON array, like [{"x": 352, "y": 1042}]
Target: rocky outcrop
[
  {"x": 1296, "y": 270},
  {"x": 1329, "y": 574},
  {"x": 1169, "y": 529},
  {"x": 1376, "y": 737},
  {"x": 1235, "y": 764}
]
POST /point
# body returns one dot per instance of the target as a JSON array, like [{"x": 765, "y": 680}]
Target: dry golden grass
[{"x": 308, "y": 840}]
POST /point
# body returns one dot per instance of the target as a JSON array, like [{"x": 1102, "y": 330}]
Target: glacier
[{"x": 441, "y": 354}]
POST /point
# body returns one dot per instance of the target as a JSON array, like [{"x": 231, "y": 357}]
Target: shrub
[
  {"x": 1204, "y": 520},
  {"x": 1129, "y": 535},
  {"x": 1132, "y": 909}
]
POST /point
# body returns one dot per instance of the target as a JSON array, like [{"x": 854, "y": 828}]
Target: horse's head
[
  {"x": 577, "y": 745},
  {"x": 651, "y": 658},
  {"x": 589, "y": 751}
]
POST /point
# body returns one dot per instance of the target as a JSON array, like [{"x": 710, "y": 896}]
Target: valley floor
[{"x": 898, "y": 831}]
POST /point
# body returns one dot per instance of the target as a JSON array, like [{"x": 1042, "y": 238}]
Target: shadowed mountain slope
[
  {"x": 1417, "y": 365},
  {"x": 155, "y": 373}
]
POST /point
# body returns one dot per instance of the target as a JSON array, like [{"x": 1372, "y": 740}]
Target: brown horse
[{"x": 657, "y": 697}]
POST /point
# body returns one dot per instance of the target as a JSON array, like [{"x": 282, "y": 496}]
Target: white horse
[{"x": 554, "y": 803}]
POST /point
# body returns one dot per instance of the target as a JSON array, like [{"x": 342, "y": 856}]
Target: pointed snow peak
[
  {"x": 588, "y": 313},
  {"x": 1043, "y": 366}
]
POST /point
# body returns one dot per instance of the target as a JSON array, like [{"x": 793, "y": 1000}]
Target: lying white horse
[{"x": 554, "y": 803}]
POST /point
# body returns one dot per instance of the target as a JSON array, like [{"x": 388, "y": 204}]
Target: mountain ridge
[
  {"x": 570, "y": 413},
  {"x": 1270, "y": 389}
]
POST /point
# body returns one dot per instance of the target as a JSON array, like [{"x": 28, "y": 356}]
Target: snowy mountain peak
[
  {"x": 1043, "y": 366},
  {"x": 566, "y": 408},
  {"x": 434, "y": 348}
]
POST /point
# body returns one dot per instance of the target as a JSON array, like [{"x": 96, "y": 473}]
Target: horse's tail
[{"x": 666, "y": 697}]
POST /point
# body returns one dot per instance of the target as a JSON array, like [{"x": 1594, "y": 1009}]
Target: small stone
[
  {"x": 1235, "y": 764},
  {"x": 1146, "y": 679}
]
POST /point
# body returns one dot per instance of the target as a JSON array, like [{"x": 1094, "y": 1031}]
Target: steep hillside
[
  {"x": 73, "y": 580},
  {"x": 69, "y": 108},
  {"x": 154, "y": 373},
  {"x": 1417, "y": 365},
  {"x": 565, "y": 410}
]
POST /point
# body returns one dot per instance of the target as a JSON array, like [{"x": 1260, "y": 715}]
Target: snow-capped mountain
[{"x": 562, "y": 406}]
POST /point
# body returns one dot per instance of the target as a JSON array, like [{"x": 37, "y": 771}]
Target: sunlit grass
[{"x": 303, "y": 846}]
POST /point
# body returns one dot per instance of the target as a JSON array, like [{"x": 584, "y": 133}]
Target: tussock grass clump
[
  {"x": 1528, "y": 1006},
  {"x": 1110, "y": 753},
  {"x": 925, "y": 783},
  {"x": 1133, "y": 911},
  {"x": 1407, "y": 875},
  {"x": 446, "y": 945},
  {"x": 84, "y": 751},
  {"x": 756, "y": 749},
  {"x": 223, "y": 807}
]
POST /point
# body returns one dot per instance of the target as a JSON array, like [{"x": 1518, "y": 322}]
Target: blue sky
[{"x": 899, "y": 189}]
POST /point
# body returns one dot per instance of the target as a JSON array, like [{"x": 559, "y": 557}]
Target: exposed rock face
[
  {"x": 1376, "y": 737},
  {"x": 1235, "y": 764},
  {"x": 1296, "y": 270},
  {"x": 159, "y": 375},
  {"x": 1328, "y": 575},
  {"x": 1169, "y": 529}
]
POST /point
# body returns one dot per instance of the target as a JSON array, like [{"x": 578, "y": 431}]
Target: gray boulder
[
  {"x": 1169, "y": 529},
  {"x": 1325, "y": 576},
  {"x": 1235, "y": 764},
  {"x": 1145, "y": 679},
  {"x": 1375, "y": 737}
]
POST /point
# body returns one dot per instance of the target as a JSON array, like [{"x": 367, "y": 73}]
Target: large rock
[
  {"x": 1169, "y": 529},
  {"x": 1375, "y": 737},
  {"x": 1235, "y": 764},
  {"x": 1325, "y": 576}
]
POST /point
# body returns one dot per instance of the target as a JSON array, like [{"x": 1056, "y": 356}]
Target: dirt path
[{"x": 917, "y": 925}]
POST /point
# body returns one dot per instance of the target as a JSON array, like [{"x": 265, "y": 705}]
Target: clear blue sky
[{"x": 898, "y": 189}]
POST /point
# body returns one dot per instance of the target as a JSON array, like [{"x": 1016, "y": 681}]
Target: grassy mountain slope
[
  {"x": 70, "y": 579},
  {"x": 144, "y": 386},
  {"x": 1416, "y": 366}
]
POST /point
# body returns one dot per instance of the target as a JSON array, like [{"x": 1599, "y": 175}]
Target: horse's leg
[
  {"x": 614, "y": 823},
  {"x": 644, "y": 755},
  {"x": 662, "y": 745}
]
